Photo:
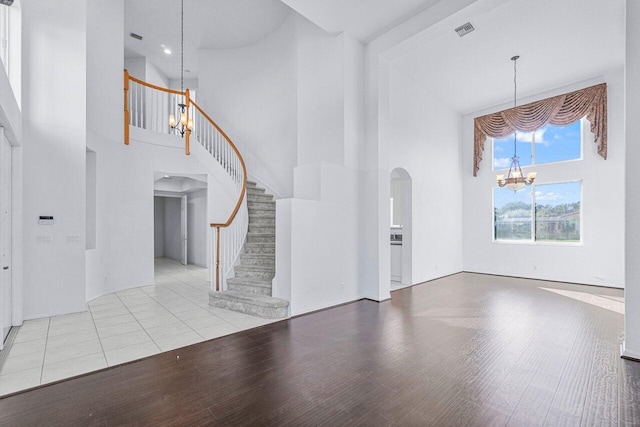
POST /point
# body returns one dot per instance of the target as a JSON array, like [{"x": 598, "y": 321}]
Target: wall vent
[
  {"x": 464, "y": 29},
  {"x": 134, "y": 35}
]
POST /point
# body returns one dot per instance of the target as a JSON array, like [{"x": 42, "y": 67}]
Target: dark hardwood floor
[{"x": 464, "y": 350}]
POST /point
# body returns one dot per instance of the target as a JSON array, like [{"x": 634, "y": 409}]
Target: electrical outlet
[
  {"x": 341, "y": 285},
  {"x": 43, "y": 239}
]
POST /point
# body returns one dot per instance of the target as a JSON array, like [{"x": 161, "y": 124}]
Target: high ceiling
[
  {"x": 559, "y": 43},
  {"x": 363, "y": 19},
  {"x": 228, "y": 24},
  {"x": 222, "y": 24}
]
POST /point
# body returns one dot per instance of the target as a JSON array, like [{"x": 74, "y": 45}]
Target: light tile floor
[{"x": 121, "y": 327}]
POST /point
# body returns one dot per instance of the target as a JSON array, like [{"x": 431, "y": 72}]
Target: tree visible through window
[
  {"x": 555, "y": 218},
  {"x": 549, "y": 212}
]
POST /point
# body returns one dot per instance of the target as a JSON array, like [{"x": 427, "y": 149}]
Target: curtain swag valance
[{"x": 559, "y": 110}]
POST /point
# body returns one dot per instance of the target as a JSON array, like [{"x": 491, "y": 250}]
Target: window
[
  {"x": 543, "y": 212},
  {"x": 549, "y": 144},
  {"x": 556, "y": 215}
]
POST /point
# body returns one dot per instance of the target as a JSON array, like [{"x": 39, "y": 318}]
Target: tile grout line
[
  {"x": 44, "y": 355},
  {"x": 143, "y": 328},
  {"x": 159, "y": 303},
  {"x": 104, "y": 355}
]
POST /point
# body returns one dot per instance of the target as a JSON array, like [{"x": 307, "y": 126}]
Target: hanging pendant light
[
  {"x": 515, "y": 178},
  {"x": 186, "y": 123}
]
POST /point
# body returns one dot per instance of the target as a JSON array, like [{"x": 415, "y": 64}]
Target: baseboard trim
[
  {"x": 628, "y": 355},
  {"x": 542, "y": 280}
]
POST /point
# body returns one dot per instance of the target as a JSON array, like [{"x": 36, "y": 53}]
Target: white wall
[
  {"x": 54, "y": 84},
  {"x": 600, "y": 259},
  {"x": 317, "y": 242},
  {"x": 320, "y": 71},
  {"x": 424, "y": 135},
  {"x": 172, "y": 222},
  {"x": 197, "y": 228},
  {"x": 632, "y": 129},
  {"x": 158, "y": 227},
  {"x": 251, "y": 93}
]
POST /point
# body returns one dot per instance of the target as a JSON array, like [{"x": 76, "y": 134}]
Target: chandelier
[
  {"x": 515, "y": 178},
  {"x": 185, "y": 124}
]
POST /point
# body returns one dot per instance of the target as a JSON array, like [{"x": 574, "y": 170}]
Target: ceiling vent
[
  {"x": 134, "y": 35},
  {"x": 6, "y": 2},
  {"x": 464, "y": 29}
]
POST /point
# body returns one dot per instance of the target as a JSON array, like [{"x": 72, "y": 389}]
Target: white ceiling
[
  {"x": 559, "y": 43},
  {"x": 208, "y": 24},
  {"x": 363, "y": 19}
]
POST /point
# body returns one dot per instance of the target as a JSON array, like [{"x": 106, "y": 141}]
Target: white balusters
[{"x": 149, "y": 108}]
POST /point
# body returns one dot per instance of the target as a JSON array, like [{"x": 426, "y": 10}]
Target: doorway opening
[
  {"x": 180, "y": 218},
  {"x": 6, "y": 291},
  {"x": 400, "y": 205}
]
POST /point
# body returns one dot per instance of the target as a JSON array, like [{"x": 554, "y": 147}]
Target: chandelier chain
[
  {"x": 182, "y": 45},
  {"x": 515, "y": 93}
]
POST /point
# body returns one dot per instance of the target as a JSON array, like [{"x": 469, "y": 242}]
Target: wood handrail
[
  {"x": 244, "y": 168},
  {"x": 152, "y": 86},
  {"x": 188, "y": 103},
  {"x": 127, "y": 118}
]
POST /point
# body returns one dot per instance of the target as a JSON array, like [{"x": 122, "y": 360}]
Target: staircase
[{"x": 250, "y": 290}]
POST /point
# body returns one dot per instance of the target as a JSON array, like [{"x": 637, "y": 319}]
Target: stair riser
[
  {"x": 265, "y": 206},
  {"x": 265, "y": 312},
  {"x": 248, "y": 289},
  {"x": 263, "y": 220},
  {"x": 255, "y": 190},
  {"x": 247, "y": 259},
  {"x": 260, "y": 198},
  {"x": 256, "y": 238},
  {"x": 263, "y": 250},
  {"x": 262, "y": 228},
  {"x": 265, "y": 275}
]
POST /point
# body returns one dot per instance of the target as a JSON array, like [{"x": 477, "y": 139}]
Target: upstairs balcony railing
[{"x": 148, "y": 106}]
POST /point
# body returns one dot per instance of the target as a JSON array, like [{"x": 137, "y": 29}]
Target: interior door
[
  {"x": 183, "y": 229},
  {"x": 5, "y": 237}
]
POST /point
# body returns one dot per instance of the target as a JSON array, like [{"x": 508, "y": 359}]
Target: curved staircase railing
[{"x": 148, "y": 106}]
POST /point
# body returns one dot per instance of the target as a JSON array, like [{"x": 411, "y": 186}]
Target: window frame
[
  {"x": 583, "y": 121},
  {"x": 533, "y": 240}
]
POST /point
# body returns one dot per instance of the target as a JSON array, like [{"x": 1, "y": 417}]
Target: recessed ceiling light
[
  {"x": 167, "y": 176},
  {"x": 167, "y": 51}
]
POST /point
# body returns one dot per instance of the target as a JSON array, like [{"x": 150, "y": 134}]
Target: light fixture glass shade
[
  {"x": 183, "y": 118},
  {"x": 190, "y": 124},
  {"x": 515, "y": 186},
  {"x": 172, "y": 120}
]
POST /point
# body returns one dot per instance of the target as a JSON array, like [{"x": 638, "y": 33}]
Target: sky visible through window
[{"x": 553, "y": 144}]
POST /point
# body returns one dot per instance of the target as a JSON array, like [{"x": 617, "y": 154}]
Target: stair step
[
  {"x": 255, "y": 190},
  {"x": 262, "y": 228},
  {"x": 259, "y": 198},
  {"x": 255, "y": 271},
  {"x": 265, "y": 206},
  {"x": 254, "y": 304},
  {"x": 261, "y": 238},
  {"x": 249, "y": 285},
  {"x": 260, "y": 222},
  {"x": 251, "y": 184},
  {"x": 256, "y": 216},
  {"x": 260, "y": 248},
  {"x": 266, "y": 260}
]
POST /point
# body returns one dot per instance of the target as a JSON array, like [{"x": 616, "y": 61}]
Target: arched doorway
[{"x": 400, "y": 205}]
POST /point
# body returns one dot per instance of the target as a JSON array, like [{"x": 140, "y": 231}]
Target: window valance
[{"x": 559, "y": 110}]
